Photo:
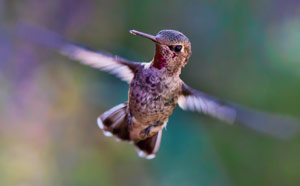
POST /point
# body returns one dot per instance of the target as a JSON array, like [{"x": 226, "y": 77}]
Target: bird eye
[
  {"x": 178, "y": 48},
  {"x": 171, "y": 47}
]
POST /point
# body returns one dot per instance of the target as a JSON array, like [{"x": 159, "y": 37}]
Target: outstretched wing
[
  {"x": 276, "y": 125},
  {"x": 118, "y": 66}
]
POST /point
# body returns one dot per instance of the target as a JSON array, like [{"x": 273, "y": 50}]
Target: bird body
[
  {"x": 153, "y": 96},
  {"x": 155, "y": 88}
]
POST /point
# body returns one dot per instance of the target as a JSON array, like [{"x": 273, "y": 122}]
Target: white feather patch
[
  {"x": 98, "y": 60},
  {"x": 207, "y": 106},
  {"x": 101, "y": 126},
  {"x": 143, "y": 155}
]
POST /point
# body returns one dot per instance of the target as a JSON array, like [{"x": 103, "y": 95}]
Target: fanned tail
[
  {"x": 114, "y": 122},
  {"x": 148, "y": 148}
]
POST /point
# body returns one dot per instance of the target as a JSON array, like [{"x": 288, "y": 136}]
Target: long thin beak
[{"x": 134, "y": 32}]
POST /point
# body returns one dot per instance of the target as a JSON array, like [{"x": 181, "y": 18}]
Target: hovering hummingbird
[{"x": 155, "y": 90}]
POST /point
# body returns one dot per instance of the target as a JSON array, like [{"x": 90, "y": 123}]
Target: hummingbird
[{"x": 155, "y": 88}]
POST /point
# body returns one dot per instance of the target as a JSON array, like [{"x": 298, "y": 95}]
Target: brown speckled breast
[{"x": 152, "y": 96}]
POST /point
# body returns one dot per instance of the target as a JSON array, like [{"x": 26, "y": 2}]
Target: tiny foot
[{"x": 145, "y": 133}]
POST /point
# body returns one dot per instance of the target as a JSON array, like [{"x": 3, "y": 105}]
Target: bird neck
[
  {"x": 165, "y": 62},
  {"x": 159, "y": 60}
]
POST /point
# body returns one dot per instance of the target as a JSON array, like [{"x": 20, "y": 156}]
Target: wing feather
[
  {"x": 118, "y": 66},
  {"x": 276, "y": 125},
  {"x": 115, "y": 65}
]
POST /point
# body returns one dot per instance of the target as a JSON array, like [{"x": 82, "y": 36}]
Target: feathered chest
[{"x": 153, "y": 93}]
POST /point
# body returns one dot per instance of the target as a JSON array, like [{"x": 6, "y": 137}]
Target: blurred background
[{"x": 247, "y": 52}]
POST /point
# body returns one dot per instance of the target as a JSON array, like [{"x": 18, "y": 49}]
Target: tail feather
[
  {"x": 148, "y": 148},
  {"x": 114, "y": 123}
]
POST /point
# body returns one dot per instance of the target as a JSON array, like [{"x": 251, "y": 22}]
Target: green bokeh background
[{"x": 243, "y": 51}]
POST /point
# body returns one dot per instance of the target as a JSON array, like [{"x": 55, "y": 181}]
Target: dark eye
[
  {"x": 178, "y": 48},
  {"x": 171, "y": 47}
]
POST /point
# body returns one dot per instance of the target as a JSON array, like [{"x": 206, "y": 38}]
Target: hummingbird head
[{"x": 173, "y": 49}]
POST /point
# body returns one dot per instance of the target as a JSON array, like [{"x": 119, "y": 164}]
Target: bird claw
[{"x": 146, "y": 132}]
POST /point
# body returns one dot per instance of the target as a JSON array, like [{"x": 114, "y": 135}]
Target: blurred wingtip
[
  {"x": 33, "y": 32},
  {"x": 291, "y": 128},
  {"x": 278, "y": 126}
]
